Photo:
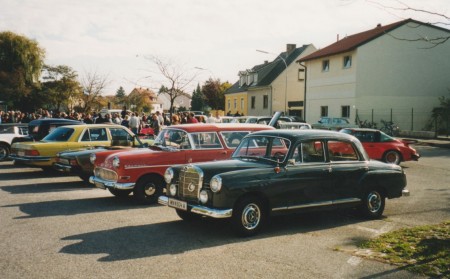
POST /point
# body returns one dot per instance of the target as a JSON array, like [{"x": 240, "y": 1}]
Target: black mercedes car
[{"x": 282, "y": 171}]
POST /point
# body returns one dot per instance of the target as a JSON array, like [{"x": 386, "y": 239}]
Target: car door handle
[
  {"x": 364, "y": 168},
  {"x": 224, "y": 153}
]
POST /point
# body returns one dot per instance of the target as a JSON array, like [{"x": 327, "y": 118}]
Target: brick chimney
[{"x": 290, "y": 48}]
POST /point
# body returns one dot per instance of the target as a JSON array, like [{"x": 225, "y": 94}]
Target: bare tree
[
  {"x": 93, "y": 85},
  {"x": 176, "y": 78}
]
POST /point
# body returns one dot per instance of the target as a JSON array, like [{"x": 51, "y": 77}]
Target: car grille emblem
[{"x": 191, "y": 187}]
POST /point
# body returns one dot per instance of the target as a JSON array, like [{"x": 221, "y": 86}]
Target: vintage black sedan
[{"x": 282, "y": 171}]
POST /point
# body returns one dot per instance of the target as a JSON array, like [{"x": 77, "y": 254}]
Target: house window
[
  {"x": 241, "y": 80},
  {"x": 229, "y": 104},
  {"x": 347, "y": 61},
  {"x": 301, "y": 74},
  {"x": 235, "y": 103},
  {"x": 325, "y": 65},
  {"x": 253, "y": 102},
  {"x": 266, "y": 101},
  {"x": 255, "y": 78},
  {"x": 323, "y": 111},
  {"x": 345, "y": 111},
  {"x": 242, "y": 104}
]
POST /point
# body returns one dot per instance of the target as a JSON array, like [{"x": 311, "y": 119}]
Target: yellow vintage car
[{"x": 71, "y": 137}]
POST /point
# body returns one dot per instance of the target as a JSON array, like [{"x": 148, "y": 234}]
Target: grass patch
[{"x": 424, "y": 249}]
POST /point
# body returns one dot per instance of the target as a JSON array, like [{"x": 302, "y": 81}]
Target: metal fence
[{"x": 406, "y": 119}]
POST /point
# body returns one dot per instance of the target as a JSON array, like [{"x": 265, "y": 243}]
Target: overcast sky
[{"x": 113, "y": 38}]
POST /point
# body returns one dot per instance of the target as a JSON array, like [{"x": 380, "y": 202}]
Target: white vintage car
[{"x": 7, "y": 133}]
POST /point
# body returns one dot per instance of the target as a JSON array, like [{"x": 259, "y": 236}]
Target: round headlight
[
  {"x": 203, "y": 196},
  {"x": 173, "y": 190},
  {"x": 116, "y": 162},
  {"x": 92, "y": 158},
  {"x": 168, "y": 175},
  {"x": 216, "y": 183}
]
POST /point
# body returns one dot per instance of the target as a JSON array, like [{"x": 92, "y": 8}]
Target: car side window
[
  {"x": 209, "y": 140},
  {"x": 341, "y": 151},
  {"x": 95, "y": 134},
  {"x": 311, "y": 152},
  {"x": 233, "y": 138},
  {"x": 120, "y": 137}
]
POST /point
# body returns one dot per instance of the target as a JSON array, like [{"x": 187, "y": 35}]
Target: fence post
[{"x": 372, "y": 115}]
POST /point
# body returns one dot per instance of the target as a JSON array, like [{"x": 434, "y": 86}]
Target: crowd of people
[{"x": 133, "y": 120}]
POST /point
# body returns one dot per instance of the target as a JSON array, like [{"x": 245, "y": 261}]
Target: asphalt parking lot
[{"x": 54, "y": 226}]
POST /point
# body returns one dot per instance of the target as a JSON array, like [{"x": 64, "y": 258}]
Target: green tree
[
  {"x": 61, "y": 87},
  {"x": 198, "y": 99},
  {"x": 120, "y": 98},
  {"x": 214, "y": 91},
  {"x": 21, "y": 61}
]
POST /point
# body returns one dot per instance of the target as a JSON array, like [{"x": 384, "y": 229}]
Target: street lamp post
[{"x": 286, "y": 77}]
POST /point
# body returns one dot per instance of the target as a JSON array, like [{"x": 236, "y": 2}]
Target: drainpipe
[{"x": 304, "y": 92}]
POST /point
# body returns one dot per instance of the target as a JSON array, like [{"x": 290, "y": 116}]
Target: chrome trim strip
[
  {"x": 30, "y": 158},
  {"x": 202, "y": 210},
  {"x": 104, "y": 184},
  {"x": 127, "y": 167},
  {"x": 316, "y": 204}
]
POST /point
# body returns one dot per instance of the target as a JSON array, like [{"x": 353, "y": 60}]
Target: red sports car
[{"x": 380, "y": 146}]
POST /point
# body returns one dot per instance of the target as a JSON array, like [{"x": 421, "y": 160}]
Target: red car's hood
[{"x": 143, "y": 156}]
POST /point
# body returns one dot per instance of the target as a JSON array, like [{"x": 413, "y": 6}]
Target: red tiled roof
[{"x": 353, "y": 41}]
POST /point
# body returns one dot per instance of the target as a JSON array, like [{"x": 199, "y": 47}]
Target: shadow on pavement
[{"x": 176, "y": 237}]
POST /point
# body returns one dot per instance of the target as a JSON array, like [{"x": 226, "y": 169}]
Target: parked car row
[{"x": 244, "y": 172}]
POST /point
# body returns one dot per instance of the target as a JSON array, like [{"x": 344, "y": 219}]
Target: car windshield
[
  {"x": 173, "y": 138},
  {"x": 268, "y": 148},
  {"x": 59, "y": 134}
]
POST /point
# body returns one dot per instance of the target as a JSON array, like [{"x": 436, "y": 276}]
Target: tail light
[{"x": 32, "y": 152}]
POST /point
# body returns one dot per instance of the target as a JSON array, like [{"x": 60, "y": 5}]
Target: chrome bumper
[
  {"x": 29, "y": 159},
  {"x": 202, "y": 210},
  {"x": 405, "y": 193},
  {"x": 63, "y": 168},
  {"x": 104, "y": 184}
]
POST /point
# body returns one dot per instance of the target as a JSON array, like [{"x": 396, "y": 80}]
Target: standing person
[
  {"x": 214, "y": 119},
  {"x": 134, "y": 123},
  {"x": 88, "y": 119},
  {"x": 156, "y": 125},
  {"x": 125, "y": 121},
  {"x": 175, "y": 119},
  {"x": 123, "y": 112},
  {"x": 191, "y": 118},
  {"x": 160, "y": 118}
]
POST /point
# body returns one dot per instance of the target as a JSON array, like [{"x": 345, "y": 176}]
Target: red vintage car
[
  {"x": 141, "y": 171},
  {"x": 382, "y": 147}
]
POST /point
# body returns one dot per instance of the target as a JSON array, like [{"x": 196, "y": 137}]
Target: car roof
[
  {"x": 211, "y": 127},
  {"x": 306, "y": 134},
  {"x": 362, "y": 129},
  {"x": 54, "y": 120},
  {"x": 102, "y": 125}
]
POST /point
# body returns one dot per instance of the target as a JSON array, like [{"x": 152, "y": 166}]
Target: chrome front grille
[
  {"x": 190, "y": 183},
  {"x": 105, "y": 174}
]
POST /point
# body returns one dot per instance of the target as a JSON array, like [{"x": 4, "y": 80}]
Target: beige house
[
  {"x": 394, "y": 73},
  {"x": 272, "y": 86}
]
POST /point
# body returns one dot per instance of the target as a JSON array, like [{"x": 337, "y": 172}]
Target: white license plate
[
  {"x": 21, "y": 153},
  {"x": 178, "y": 204}
]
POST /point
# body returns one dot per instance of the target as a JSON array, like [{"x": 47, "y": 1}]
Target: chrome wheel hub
[
  {"x": 251, "y": 216},
  {"x": 374, "y": 202}
]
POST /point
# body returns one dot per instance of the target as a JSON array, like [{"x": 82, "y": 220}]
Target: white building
[{"x": 395, "y": 72}]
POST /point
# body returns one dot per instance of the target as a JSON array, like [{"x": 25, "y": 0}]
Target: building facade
[
  {"x": 271, "y": 86},
  {"x": 392, "y": 73}
]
